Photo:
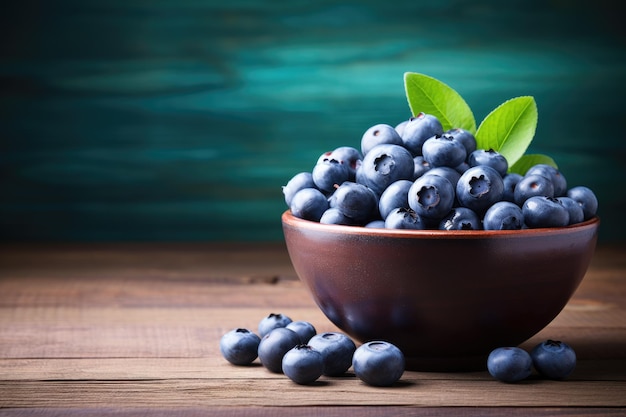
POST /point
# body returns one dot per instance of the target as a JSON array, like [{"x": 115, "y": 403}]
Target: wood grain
[{"x": 131, "y": 329}]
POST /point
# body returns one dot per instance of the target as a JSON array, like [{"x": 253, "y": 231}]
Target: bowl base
[{"x": 447, "y": 364}]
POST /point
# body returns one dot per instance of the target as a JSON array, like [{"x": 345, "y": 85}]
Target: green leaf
[
  {"x": 429, "y": 95},
  {"x": 509, "y": 128},
  {"x": 526, "y": 161}
]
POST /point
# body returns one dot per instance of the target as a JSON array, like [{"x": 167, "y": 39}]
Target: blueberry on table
[
  {"x": 378, "y": 363},
  {"x": 503, "y": 215},
  {"x": 377, "y": 135},
  {"x": 274, "y": 345},
  {"x": 553, "y": 359},
  {"x": 303, "y": 364},
  {"x": 545, "y": 212},
  {"x": 240, "y": 346},
  {"x": 304, "y": 329},
  {"x": 272, "y": 321},
  {"x": 509, "y": 364},
  {"x": 431, "y": 196},
  {"x": 336, "y": 349},
  {"x": 419, "y": 129}
]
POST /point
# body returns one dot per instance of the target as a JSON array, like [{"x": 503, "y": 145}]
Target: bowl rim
[{"x": 288, "y": 219}]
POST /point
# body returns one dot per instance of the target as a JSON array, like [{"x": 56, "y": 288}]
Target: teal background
[{"x": 181, "y": 120}]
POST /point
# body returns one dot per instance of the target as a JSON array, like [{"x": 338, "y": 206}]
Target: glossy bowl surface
[{"x": 446, "y": 299}]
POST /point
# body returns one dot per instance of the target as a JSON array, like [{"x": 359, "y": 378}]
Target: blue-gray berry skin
[
  {"x": 330, "y": 172},
  {"x": 334, "y": 216},
  {"x": 384, "y": 165},
  {"x": 377, "y": 135},
  {"x": 553, "y": 359},
  {"x": 296, "y": 183},
  {"x": 418, "y": 129},
  {"x": 444, "y": 151},
  {"x": 532, "y": 185},
  {"x": 303, "y": 364},
  {"x": 273, "y": 347},
  {"x": 378, "y": 363},
  {"x": 460, "y": 218},
  {"x": 421, "y": 166},
  {"x": 490, "y": 158},
  {"x": 451, "y": 174},
  {"x": 556, "y": 177},
  {"x": 509, "y": 364},
  {"x": 356, "y": 201},
  {"x": 586, "y": 198},
  {"x": 431, "y": 196},
  {"x": 350, "y": 156},
  {"x": 576, "y": 214},
  {"x": 272, "y": 321},
  {"x": 544, "y": 212},
  {"x": 400, "y": 127},
  {"x": 503, "y": 215},
  {"x": 336, "y": 349},
  {"x": 376, "y": 224},
  {"x": 404, "y": 218},
  {"x": 309, "y": 204},
  {"x": 394, "y": 196},
  {"x": 465, "y": 137},
  {"x": 510, "y": 181},
  {"x": 479, "y": 188},
  {"x": 304, "y": 329},
  {"x": 240, "y": 346}
]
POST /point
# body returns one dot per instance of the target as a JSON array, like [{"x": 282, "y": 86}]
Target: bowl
[{"x": 445, "y": 298}]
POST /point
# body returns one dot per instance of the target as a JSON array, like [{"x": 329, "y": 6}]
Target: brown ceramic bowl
[{"x": 446, "y": 299}]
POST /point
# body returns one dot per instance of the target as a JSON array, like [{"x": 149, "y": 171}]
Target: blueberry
[
  {"x": 431, "y": 196},
  {"x": 377, "y": 135},
  {"x": 542, "y": 211},
  {"x": 503, "y": 215},
  {"x": 271, "y": 322},
  {"x": 509, "y": 364},
  {"x": 479, "y": 188},
  {"x": 334, "y": 216},
  {"x": 553, "y": 359},
  {"x": 304, "y": 329},
  {"x": 418, "y": 129},
  {"x": 309, "y": 204},
  {"x": 330, "y": 172},
  {"x": 355, "y": 201},
  {"x": 376, "y": 224},
  {"x": 465, "y": 137},
  {"x": 586, "y": 198},
  {"x": 443, "y": 151},
  {"x": 451, "y": 174},
  {"x": 297, "y": 183},
  {"x": 394, "y": 196},
  {"x": 350, "y": 156},
  {"x": 303, "y": 364},
  {"x": 556, "y": 177},
  {"x": 378, "y": 363},
  {"x": 532, "y": 185},
  {"x": 490, "y": 158},
  {"x": 404, "y": 218},
  {"x": 274, "y": 345},
  {"x": 460, "y": 218},
  {"x": 420, "y": 166},
  {"x": 510, "y": 182},
  {"x": 240, "y": 346},
  {"x": 383, "y": 165},
  {"x": 336, "y": 349},
  {"x": 574, "y": 209},
  {"x": 400, "y": 127}
]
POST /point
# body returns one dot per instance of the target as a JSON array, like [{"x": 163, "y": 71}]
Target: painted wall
[{"x": 180, "y": 120}]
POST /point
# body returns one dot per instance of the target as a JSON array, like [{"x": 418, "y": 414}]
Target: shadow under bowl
[{"x": 446, "y": 299}]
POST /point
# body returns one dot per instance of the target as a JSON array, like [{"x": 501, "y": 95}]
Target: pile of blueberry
[
  {"x": 295, "y": 349},
  {"x": 416, "y": 176},
  {"x": 552, "y": 359}
]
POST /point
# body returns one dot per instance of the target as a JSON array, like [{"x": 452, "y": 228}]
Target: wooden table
[{"x": 130, "y": 329}]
